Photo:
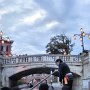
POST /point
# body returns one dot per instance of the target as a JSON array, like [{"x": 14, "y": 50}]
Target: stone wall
[
  {"x": 86, "y": 71},
  {"x": 80, "y": 83},
  {"x": 77, "y": 83},
  {"x": 0, "y": 78},
  {"x": 0, "y": 71}
]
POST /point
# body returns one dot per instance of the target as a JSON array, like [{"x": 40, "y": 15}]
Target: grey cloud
[{"x": 32, "y": 39}]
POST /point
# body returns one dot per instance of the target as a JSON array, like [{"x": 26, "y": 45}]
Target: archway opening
[{"x": 14, "y": 78}]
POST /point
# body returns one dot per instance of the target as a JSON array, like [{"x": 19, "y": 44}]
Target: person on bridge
[{"x": 65, "y": 75}]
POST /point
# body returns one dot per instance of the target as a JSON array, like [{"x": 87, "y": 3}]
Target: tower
[{"x": 5, "y": 45}]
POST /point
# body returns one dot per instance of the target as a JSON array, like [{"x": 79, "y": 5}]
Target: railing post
[
  {"x": 51, "y": 77},
  {"x": 71, "y": 59}
]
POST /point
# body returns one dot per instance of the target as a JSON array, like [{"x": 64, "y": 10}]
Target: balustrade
[{"x": 41, "y": 58}]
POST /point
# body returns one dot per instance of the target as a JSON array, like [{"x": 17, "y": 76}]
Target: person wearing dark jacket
[{"x": 65, "y": 75}]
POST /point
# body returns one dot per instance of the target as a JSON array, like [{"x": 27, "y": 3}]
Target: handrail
[
  {"x": 42, "y": 80},
  {"x": 28, "y": 86}
]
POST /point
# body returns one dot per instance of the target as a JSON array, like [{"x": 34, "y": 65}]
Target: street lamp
[{"x": 82, "y": 35}]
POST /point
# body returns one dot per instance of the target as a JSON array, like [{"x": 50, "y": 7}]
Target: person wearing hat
[{"x": 65, "y": 75}]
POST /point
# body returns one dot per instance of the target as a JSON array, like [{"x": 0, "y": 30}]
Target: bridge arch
[
  {"x": 21, "y": 66},
  {"x": 36, "y": 70},
  {"x": 39, "y": 70}
]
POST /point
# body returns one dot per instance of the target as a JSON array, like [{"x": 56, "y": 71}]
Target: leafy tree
[{"x": 59, "y": 44}]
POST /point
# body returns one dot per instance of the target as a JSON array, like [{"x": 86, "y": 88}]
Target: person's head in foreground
[
  {"x": 44, "y": 86},
  {"x": 58, "y": 61},
  {"x": 5, "y": 88}
]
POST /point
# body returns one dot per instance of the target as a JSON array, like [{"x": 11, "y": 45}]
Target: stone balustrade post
[
  {"x": 71, "y": 59},
  {"x": 89, "y": 55}
]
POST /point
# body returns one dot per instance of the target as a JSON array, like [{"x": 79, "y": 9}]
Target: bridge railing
[{"x": 22, "y": 59}]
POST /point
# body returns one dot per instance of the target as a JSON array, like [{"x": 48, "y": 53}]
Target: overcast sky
[{"x": 31, "y": 23}]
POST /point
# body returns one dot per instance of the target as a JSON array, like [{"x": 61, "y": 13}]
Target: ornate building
[{"x": 5, "y": 45}]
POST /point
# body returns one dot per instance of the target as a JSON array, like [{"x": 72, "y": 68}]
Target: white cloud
[
  {"x": 1, "y": 1},
  {"x": 31, "y": 19},
  {"x": 47, "y": 26},
  {"x": 31, "y": 23},
  {"x": 8, "y": 9},
  {"x": 13, "y": 28},
  {"x": 83, "y": 2},
  {"x": 28, "y": 49},
  {"x": 17, "y": 6},
  {"x": 52, "y": 24}
]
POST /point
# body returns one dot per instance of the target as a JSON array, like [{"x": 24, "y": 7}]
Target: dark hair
[
  {"x": 58, "y": 60},
  {"x": 15, "y": 88},
  {"x": 5, "y": 88},
  {"x": 43, "y": 86}
]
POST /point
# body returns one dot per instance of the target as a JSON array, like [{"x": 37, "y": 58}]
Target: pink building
[{"x": 5, "y": 45}]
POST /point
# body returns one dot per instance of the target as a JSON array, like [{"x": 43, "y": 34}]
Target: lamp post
[{"x": 82, "y": 35}]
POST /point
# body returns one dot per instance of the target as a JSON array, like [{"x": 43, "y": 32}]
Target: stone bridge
[
  {"x": 14, "y": 68},
  {"x": 19, "y": 66}
]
